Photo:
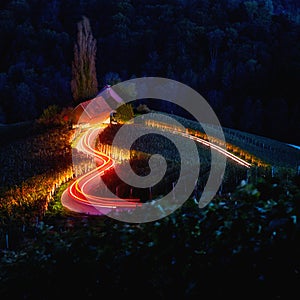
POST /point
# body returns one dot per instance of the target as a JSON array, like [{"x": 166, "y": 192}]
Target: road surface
[{"x": 81, "y": 195}]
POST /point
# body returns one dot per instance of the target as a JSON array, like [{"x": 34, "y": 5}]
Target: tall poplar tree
[{"x": 84, "y": 84}]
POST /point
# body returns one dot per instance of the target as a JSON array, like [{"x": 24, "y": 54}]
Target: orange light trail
[
  {"x": 225, "y": 152},
  {"x": 219, "y": 149},
  {"x": 78, "y": 196}
]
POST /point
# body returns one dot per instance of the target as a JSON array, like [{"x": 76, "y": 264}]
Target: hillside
[
  {"x": 272, "y": 152},
  {"x": 249, "y": 237},
  {"x": 23, "y": 140}
]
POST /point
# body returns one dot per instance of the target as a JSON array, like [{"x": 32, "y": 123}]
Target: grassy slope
[
  {"x": 271, "y": 151},
  {"x": 187, "y": 254}
]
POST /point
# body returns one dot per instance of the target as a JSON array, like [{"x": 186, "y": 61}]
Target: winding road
[{"x": 81, "y": 196}]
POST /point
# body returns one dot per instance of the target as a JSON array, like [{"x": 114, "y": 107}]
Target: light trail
[
  {"x": 79, "y": 197},
  {"x": 219, "y": 149},
  {"x": 225, "y": 152}
]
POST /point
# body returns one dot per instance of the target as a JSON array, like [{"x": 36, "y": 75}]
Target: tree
[
  {"x": 269, "y": 6},
  {"x": 49, "y": 115},
  {"x": 143, "y": 109},
  {"x": 124, "y": 113},
  {"x": 24, "y": 107},
  {"x": 112, "y": 78},
  {"x": 84, "y": 84},
  {"x": 252, "y": 9},
  {"x": 215, "y": 38},
  {"x": 55, "y": 116}
]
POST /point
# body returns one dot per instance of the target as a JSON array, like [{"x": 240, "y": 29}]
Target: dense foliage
[
  {"x": 248, "y": 235},
  {"x": 241, "y": 245},
  {"x": 243, "y": 56},
  {"x": 124, "y": 113}
]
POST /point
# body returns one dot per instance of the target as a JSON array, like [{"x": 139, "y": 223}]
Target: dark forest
[{"x": 242, "y": 56}]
